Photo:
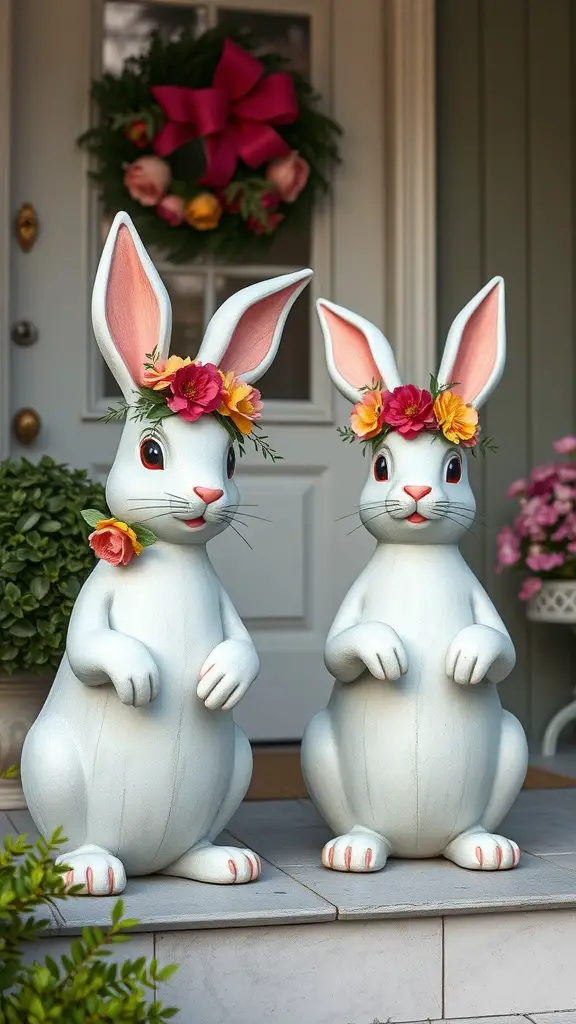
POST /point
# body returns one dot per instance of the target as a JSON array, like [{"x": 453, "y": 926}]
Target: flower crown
[
  {"x": 191, "y": 389},
  {"x": 410, "y": 411}
]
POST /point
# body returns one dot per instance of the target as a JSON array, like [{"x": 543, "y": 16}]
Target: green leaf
[
  {"x": 144, "y": 535},
  {"x": 92, "y": 516},
  {"x": 22, "y": 629},
  {"x": 27, "y": 521},
  {"x": 70, "y": 588},
  {"x": 49, "y": 525},
  {"x": 39, "y": 586}
]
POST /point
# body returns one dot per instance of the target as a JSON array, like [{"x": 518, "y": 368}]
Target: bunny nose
[
  {"x": 416, "y": 491},
  {"x": 210, "y": 494}
]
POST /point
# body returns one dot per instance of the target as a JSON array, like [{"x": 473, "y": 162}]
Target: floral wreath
[
  {"x": 411, "y": 411},
  {"x": 189, "y": 389},
  {"x": 207, "y": 146}
]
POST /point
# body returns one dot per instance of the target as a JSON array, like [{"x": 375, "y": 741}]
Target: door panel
[{"x": 288, "y": 587}]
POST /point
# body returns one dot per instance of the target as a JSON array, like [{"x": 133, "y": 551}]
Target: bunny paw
[
  {"x": 481, "y": 851},
  {"x": 95, "y": 869},
  {"x": 359, "y": 850},
  {"x": 220, "y": 865}
]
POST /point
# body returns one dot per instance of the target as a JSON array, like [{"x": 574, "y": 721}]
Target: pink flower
[
  {"x": 545, "y": 562},
  {"x": 147, "y": 179},
  {"x": 112, "y": 544},
  {"x": 567, "y": 529},
  {"x": 171, "y": 209},
  {"x": 571, "y": 547},
  {"x": 409, "y": 410},
  {"x": 567, "y": 474},
  {"x": 516, "y": 488},
  {"x": 542, "y": 479},
  {"x": 530, "y": 588},
  {"x": 196, "y": 390},
  {"x": 289, "y": 175},
  {"x": 508, "y": 548},
  {"x": 565, "y": 445}
]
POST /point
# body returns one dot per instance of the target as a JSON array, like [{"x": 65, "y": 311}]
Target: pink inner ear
[
  {"x": 132, "y": 310},
  {"x": 254, "y": 333},
  {"x": 352, "y": 355},
  {"x": 478, "y": 349}
]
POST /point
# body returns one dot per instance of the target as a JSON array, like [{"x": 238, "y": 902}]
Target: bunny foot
[
  {"x": 357, "y": 850},
  {"x": 481, "y": 851},
  {"x": 220, "y": 865},
  {"x": 96, "y": 870}
]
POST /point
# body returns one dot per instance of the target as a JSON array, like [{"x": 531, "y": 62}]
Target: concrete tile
[
  {"x": 509, "y": 963},
  {"x": 564, "y": 1017},
  {"x": 318, "y": 974},
  {"x": 427, "y": 887},
  {"x": 163, "y": 903},
  {"x": 566, "y": 861},
  {"x": 543, "y": 821}
]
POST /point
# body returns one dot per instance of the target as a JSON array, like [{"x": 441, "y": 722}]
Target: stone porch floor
[{"x": 419, "y": 941}]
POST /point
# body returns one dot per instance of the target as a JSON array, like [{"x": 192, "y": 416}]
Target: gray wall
[{"x": 507, "y": 196}]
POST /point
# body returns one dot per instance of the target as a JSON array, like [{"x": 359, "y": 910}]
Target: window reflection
[{"x": 128, "y": 25}]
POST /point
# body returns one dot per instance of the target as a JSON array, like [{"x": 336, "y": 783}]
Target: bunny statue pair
[{"x": 135, "y": 753}]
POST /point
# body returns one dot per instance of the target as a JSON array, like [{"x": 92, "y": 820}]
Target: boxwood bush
[{"x": 44, "y": 558}]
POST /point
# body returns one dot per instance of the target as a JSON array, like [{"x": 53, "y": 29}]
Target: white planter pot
[
  {"x": 556, "y": 602},
  {"x": 21, "y": 699}
]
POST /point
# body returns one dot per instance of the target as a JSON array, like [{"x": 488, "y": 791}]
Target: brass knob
[
  {"x": 26, "y": 425},
  {"x": 26, "y": 225}
]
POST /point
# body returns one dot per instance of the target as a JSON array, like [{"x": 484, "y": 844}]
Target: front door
[{"x": 288, "y": 587}]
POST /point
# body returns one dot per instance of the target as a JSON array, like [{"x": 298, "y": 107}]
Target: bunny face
[
  {"x": 177, "y": 476},
  {"x": 417, "y": 492}
]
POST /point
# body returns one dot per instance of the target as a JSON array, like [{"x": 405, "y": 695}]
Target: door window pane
[
  {"x": 128, "y": 25},
  {"x": 289, "y": 375}
]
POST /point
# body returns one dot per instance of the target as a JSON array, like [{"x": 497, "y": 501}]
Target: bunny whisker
[
  {"x": 464, "y": 524},
  {"x": 228, "y": 521},
  {"x": 385, "y": 511},
  {"x": 365, "y": 508},
  {"x": 246, "y": 515}
]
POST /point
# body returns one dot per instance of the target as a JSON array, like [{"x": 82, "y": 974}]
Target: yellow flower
[
  {"x": 163, "y": 373},
  {"x": 203, "y": 212},
  {"x": 240, "y": 402},
  {"x": 457, "y": 421},
  {"x": 367, "y": 416},
  {"x": 124, "y": 528}
]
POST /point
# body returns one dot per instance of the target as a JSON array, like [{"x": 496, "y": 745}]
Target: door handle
[{"x": 26, "y": 425}]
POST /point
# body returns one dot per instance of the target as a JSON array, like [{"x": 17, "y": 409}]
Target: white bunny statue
[
  {"x": 136, "y": 754},
  {"x": 414, "y": 755}
]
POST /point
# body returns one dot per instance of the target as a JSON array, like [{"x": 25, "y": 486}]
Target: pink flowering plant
[{"x": 542, "y": 538}]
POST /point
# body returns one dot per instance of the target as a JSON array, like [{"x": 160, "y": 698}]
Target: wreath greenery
[{"x": 182, "y": 200}]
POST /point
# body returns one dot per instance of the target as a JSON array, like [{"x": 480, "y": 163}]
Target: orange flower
[
  {"x": 367, "y": 416},
  {"x": 163, "y": 373},
  {"x": 240, "y": 402},
  {"x": 115, "y": 542},
  {"x": 203, "y": 212},
  {"x": 457, "y": 421}
]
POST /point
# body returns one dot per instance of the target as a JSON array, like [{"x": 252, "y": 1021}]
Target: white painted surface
[
  {"x": 509, "y": 963},
  {"x": 335, "y": 973},
  {"x": 287, "y": 590}
]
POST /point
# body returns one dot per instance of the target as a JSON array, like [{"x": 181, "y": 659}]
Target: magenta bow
[{"x": 234, "y": 115}]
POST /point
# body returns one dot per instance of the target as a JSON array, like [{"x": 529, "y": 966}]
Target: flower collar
[
  {"x": 411, "y": 411},
  {"x": 191, "y": 389}
]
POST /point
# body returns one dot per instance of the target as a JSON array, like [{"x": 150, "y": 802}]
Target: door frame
[
  {"x": 409, "y": 189},
  {"x": 5, "y": 220}
]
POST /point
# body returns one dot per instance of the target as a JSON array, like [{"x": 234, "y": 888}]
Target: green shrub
[
  {"x": 44, "y": 558},
  {"x": 83, "y": 987}
]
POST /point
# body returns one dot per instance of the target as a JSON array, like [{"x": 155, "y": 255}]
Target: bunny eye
[
  {"x": 381, "y": 469},
  {"x": 151, "y": 454},
  {"x": 230, "y": 463},
  {"x": 454, "y": 470}
]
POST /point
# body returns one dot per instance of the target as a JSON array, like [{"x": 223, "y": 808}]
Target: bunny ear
[
  {"x": 357, "y": 352},
  {"x": 244, "y": 333},
  {"x": 475, "y": 350},
  {"x": 131, "y": 311}
]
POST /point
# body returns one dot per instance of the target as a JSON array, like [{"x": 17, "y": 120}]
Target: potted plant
[
  {"x": 542, "y": 542},
  {"x": 542, "y": 539},
  {"x": 44, "y": 560}
]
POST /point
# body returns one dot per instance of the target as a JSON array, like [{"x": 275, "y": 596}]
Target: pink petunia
[
  {"x": 566, "y": 473},
  {"x": 545, "y": 562},
  {"x": 516, "y": 488},
  {"x": 530, "y": 588},
  {"x": 565, "y": 445},
  {"x": 508, "y": 548}
]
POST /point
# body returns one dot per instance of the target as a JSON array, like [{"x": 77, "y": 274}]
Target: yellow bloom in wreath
[
  {"x": 203, "y": 212},
  {"x": 457, "y": 421}
]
